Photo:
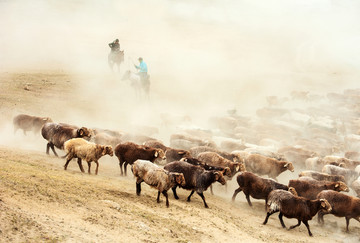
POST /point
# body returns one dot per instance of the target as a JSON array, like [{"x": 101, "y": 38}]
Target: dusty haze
[{"x": 218, "y": 54}]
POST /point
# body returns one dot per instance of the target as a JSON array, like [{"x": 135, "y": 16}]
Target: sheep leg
[
  {"x": 47, "y": 148},
  {"x": 347, "y": 223},
  {"x": 281, "y": 220},
  {"x": 167, "y": 199},
  {"x": 52, "y": 146},
  {"x": 158, "y": 197},
  {"x": 211, "y": 190},
  {"x": 120, "y": 164},
  {"x": 125, "y": 165},
  {"x": 97, "y": 167},
  {"x": 80, "y": 165},
  {"x": 248, "y": 199},
  {"x": 307, "y": 226},
  {"x": 296, "y": 225},
  {"x": 174, "y": 192},
  {"x": 235, "y": 193},
  {"x": 267, "y": 217},
  {"x": 203, "y": 198},
  {"x": 192, "y": 192},
  {"x": 67, "y": 162},
  {"x": 138, "y": 188},
  {"x": 89, "y": 165}
]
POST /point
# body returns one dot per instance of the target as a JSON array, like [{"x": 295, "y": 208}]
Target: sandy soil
[{"x": 39, "y": 201}]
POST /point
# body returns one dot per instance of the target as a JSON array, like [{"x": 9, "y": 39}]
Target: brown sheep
[
  {"x": 156, "y": 144},
  {"x": 184, "y": 141},
  {"x": 175, "y": 154},
  {"x": 342, "y": 206},
  {"x": 271, "y": 167},
  {"x": 310, "y": 189},
  {"x": 322, "y": 176},
  {"x": 256, "y": 187},
  {"x": 349, "y": 175},
  {"x": 29, "y": 123},
  {"x": 195, "y": 151},
  {"x": 129, "y": 152},
  {"x": 57, "y": 134},
  {"x": 292, "y": 206},
  {"x": 224, "y": 170},
  {"x": 212, "y": 158},
  {"x": 156, "y": 177},
  {"x": 196, "y": 178},
  {"x": 82, "y": 149},
  {"x": 105, "y": 138}
]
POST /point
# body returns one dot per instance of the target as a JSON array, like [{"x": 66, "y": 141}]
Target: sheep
[
  {"x": 183, "y": 141},
  {"x": 224, "y": 170},
  {"x": 175, "y": 154},
  {"x": 356, "y": 186},
  {"x": 196, "y": 178},
  {"x": 156, "y": 177},
  {"x": 195, "y": 151},
  {"x": 256, "y": 187},
  {"x": 309, "y": 189},
  {"x": 156, "y": 144},
  {"x": 342, "y": 206},
  {"x": 213, "y": 159},
  {"x": 129, "y": 152},
  {"x": 104, "y": 138},
  {"x": 315, "y": 163},
  {"x": 136, "y": 138},
  {"x": 81, "y": 149},
  {"x": 29, "y": 123},
  {"x": 322, "y": 176},
  {"x": 349, "y": 175},
  {"x": 292, "y": 206},
  {"x": 57, "y": 134},
  {"x": 271, "y": 167}
]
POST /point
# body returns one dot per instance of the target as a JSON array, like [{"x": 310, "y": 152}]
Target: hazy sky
[{"x": 237, "y": 48}]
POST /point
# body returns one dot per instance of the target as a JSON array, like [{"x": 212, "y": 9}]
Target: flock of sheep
[{"x": 318, "y": 135}]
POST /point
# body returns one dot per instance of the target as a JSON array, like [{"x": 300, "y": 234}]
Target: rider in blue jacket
[{"x": 142, "y": 70}]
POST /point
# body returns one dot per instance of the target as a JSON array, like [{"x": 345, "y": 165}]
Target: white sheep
[{"x": 81, "y": 149}]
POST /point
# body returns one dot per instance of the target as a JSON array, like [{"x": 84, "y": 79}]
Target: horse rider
[
  {"x": 142, "y": 71},
  {"x": 115, "y": 46}
]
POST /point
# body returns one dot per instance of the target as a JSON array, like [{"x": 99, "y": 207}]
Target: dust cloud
[{"x": 203, "y": 56}]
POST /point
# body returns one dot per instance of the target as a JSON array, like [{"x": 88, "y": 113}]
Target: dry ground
[{"x": 39, "y": 201}]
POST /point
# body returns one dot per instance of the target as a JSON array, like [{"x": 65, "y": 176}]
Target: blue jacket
[{"x": 142, "y": 67}]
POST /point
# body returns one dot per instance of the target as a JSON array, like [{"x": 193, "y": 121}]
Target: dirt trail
[{"x": 39, "y": 201}]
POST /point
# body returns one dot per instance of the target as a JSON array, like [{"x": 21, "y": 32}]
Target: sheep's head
[
  {"x": 219, "y": 177},
  {"x": 239, "y": 167},
  {"x": 325, "y": 205},
  {"x": 179, "y": 178},
  {"x": 159, "y": 154},
  {"x": 293, "y": 191},
  {"x": 47, "y": 119},
  {"x": 108, "y": 150},
  {"x": 226, "y": 171},
  {"x": 238, "y": 158},
  {"x": 341, "y": 186},
  {"x": 191, "y": 160},
  {"x": 289, "y": 166},
  {"x": 84, "y": 132}
]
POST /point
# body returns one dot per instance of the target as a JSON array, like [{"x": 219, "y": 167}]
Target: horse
[
  {"x": 115, "y": 57},
  {"x": 136, "y": 83}
]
